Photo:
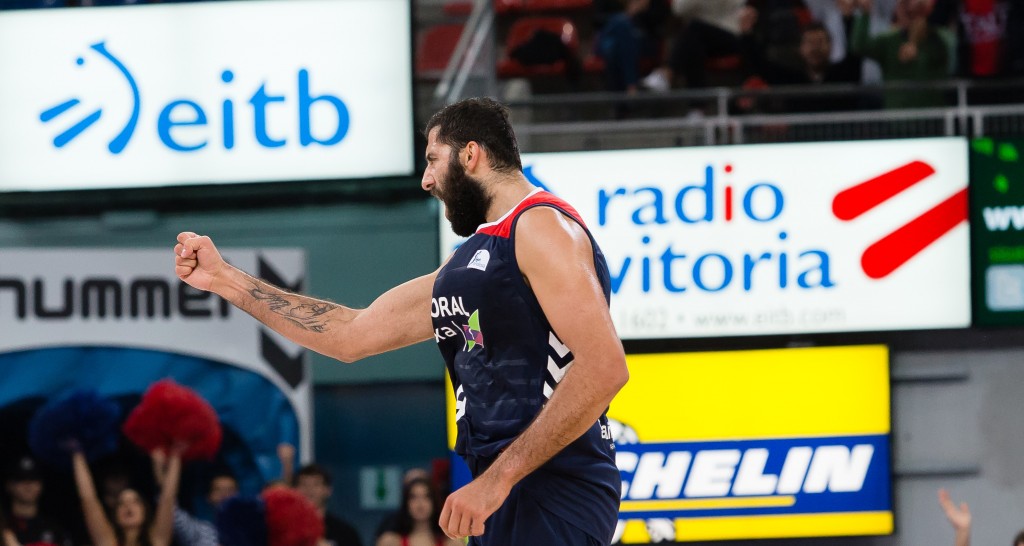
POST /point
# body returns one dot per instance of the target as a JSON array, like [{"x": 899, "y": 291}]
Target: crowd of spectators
[
  {"x": 117, "y": 512},
  {"x": 657, "y": 45},
  {"x": 90, "y": 477}
]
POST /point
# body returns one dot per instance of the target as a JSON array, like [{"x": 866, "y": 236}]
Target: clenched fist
[{"x": 197, "y": 261}]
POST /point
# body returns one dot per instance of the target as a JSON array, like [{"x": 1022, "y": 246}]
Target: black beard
[{"x": 465, "y": 201}]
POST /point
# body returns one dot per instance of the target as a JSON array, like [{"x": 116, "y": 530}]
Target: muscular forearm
[
  {"x": 575, "y": 406},
  {"x": 398, "y": 318},
  {"x": 310, "y": 322}
]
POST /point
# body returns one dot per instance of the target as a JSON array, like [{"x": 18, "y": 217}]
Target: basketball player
[{"x": 518, "y": 303}]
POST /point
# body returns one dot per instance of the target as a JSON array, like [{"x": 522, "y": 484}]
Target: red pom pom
[
  {"x": 291, "y": 519},
  {"x": 171, "y": 415}
]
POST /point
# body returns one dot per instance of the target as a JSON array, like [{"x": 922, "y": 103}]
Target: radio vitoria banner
[
  {"x": 205, "y": 93},
  {"x": 773, "y": 239}
]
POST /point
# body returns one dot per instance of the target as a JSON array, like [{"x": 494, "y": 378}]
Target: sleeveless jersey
[{"x": 505, "y": 361}]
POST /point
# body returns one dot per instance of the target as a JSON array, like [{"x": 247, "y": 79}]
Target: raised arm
[
  {"x": 286, "y": 455},
  {"x": 556, "y": 257},
  {"x": 162, "y": 531},
  {"x": 959, "y": 517},
  {"x": 400, "y": 317},
  {"x": 100, "y": 530}
]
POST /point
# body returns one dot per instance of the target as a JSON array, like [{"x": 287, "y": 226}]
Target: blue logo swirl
[{"x": 118, "y": 143}]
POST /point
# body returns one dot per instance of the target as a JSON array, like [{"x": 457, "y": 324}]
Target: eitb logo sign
[{"x": 220, "y": 92}]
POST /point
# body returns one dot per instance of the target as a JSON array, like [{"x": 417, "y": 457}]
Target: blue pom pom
[
  {"x": 242, "y": 521},
  {"x": 80, "y": 418}
]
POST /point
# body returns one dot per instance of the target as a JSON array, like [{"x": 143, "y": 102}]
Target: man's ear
[{"x": 472, "y": 155}]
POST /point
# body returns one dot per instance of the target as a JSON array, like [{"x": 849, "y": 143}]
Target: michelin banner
[
  {"x": 773, "y": 239},
  {"x": 111, "y": 299},
  {"x": 754, "y": 444},
  {"x": 749, "y": 444}
]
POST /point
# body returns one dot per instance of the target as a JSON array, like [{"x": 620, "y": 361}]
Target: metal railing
[
  {"x": 601, "y": 121},
  {"x": 474, "y": 57},
  {"x": 722, "y": 115}
]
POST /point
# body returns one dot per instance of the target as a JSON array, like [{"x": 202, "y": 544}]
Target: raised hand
[
  {"x": 958, "y": 516},
  {"x": 197, "y": 261}
]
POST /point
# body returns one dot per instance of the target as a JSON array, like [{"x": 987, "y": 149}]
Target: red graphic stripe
[
  {"x": 898, "y": 247},
  {"x": 854, "y": 201}
]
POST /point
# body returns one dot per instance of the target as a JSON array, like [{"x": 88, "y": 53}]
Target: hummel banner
[{"x": 132, "y": 299}]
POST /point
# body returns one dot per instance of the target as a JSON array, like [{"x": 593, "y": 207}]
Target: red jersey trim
[{"x": 503, "y": 226}]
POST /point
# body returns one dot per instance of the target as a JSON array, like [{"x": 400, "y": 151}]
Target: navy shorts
[{"x": 522, "y": 521}]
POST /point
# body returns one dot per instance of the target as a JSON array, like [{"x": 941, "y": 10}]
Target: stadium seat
[
  {"x": 534, "y": 6},
  {"x": 458, "y": 8},
  {"x": 435, "y": 49},
  {"x": 524, "y": 31}
]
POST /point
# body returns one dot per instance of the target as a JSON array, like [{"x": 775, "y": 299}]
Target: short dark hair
[
  {"x": 1019, "y": 539},
  {"x": 816, "y": 26},
  {"x": 481, "y": 120},
  {"x": 222, "y": 473},
  {"x": 314, "y": 469}
]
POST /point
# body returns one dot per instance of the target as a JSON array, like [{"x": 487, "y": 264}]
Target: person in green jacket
[{"x": 913, "y": 51}]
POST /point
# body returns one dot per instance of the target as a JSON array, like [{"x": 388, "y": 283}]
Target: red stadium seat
[
  {"x": 458, "y": 8},
  {"x": 522, "y": 31},
  {"x": 436, "y": 46},
  {"x": 534, "y": 6}
]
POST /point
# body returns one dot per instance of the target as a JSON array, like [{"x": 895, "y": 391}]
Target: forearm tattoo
[{"x": 303, "y": 312}]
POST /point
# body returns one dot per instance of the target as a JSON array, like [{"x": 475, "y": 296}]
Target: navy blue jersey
[{"x": 505, "y": 361}]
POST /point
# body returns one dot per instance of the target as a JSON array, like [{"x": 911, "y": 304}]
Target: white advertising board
[
  {"x": 131, "y": 298},
  {"x": 773, "y": 239},
  {"x": 217, "y": 92}
]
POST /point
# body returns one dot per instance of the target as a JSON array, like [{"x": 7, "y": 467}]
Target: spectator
[
  {"x": 8, "y": 536},
  {"x": 816, "y": 68},
  {"x": 390, "y": 522},
  {"x": 188, "y": 529},
  {"x": 314, "y": 483},
  {"x": 114, "y": 480},
  {"x": 134, "y": 523},
  {"x": 714, "y": 29},
  {"x": 982, "y": 36},
  {"x": 913, "y": 52},
  {"x": 959, "y": 517},
  {"x": 286, "y": 456},
  {"x": 25, "y": 521},
  {"x": 223, "y": 486},
  {"x": 416, "y": 524},
  {"x": 622, "y": 44}
]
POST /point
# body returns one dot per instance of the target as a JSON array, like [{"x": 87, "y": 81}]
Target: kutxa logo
[
  {"x": 895, "y": 249},
  {"x": 191, "y": 112}
]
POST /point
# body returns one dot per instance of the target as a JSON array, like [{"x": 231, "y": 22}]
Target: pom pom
[
  {"x": 171, "y": 415},
  {"x": 241, "y": 521},
  {"x": 80, "y": 419},
  {"x": 291, "y": 519}
]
